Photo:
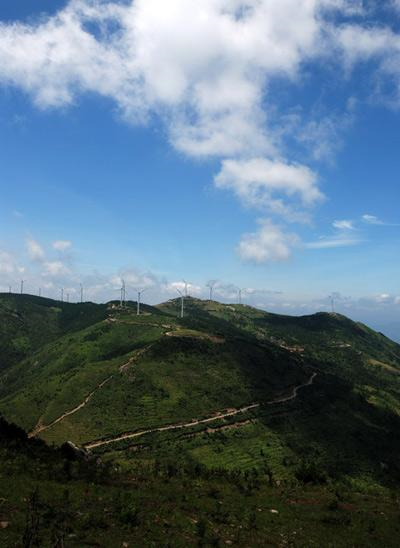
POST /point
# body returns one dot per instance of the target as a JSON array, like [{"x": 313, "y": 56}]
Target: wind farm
[{"x": 199, "y": 274}]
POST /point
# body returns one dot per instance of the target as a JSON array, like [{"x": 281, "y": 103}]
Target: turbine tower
[
  {"x": 81, "y": 286},
  {"x": 240, "y": 290},
  {"x": 123, "y": 293},
  {"x": 186, "y": 287},
  {"x": 332, "y": 303},
  {"x": 139, "y": 295},
  {"x": 182, "y": 299},
  {"x": 211, "y": 285},
  {"x": 22, "y": 286},
  {"x": 62, "y": 294},
  {"x": 9, "y": 289},
  {"x": 40, "y": 291}
]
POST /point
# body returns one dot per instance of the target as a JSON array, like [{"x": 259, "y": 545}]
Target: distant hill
[
  {"x": 227, "y": 387},
  {"x": 28, "y": 322}
]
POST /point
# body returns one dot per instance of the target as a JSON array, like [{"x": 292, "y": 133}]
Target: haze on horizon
[{"x": 222, "y": 140}]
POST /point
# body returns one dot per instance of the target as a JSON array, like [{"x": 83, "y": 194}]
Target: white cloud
[
  {"x": 268, "y": 184},
  {"x": 344, "y": 235},
  {"x": 55, "y": 268},
  {"x": 7, "y": 263},
  {"x": 192, "y": 289},
  {"x": 134, "y": 280},
  {"x": 372, "y": 220},
  {"x": 162, "y": 54},
  {"x": 332, "y": 242},
  {"x": 269, "y": 243},
  {"x": 343, "y": 225},
  {"x": 35, "y": 250},
  {"x": 363, "y": 42},
  {"x": 204, "y": 69},
  {"x": 62, "y": 245},
  {"x": 384, "y": 298}
]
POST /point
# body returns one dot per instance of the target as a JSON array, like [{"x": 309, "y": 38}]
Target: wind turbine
[
  {"x": 123, "y": 293},
  {"x": 9, "y": 289},
  {"x": 240, "y": 294},
  {"x": 186, "y": 287},
  {"x": 182, "y": 298},
  {"x": 81, "y": 286},
  {"x": 40, "y": 291},
  {"x": 139, "y": 294},
  {"x": 62, "y": 294},
  {"x": 22, "y": 286},
  {"x": 332, "y": 303},
  {"x": 211, "y": 285}
]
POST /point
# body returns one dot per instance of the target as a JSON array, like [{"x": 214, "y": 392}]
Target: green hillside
[
  {"x": 156, "y": 372},
  {"x": 55, "y": 497},
  {"x": 228, "y": 387},
  {"x": 335, "y": 344},
  {"x": 230, "y": 424},
  {"x": 28, "y": 322}
]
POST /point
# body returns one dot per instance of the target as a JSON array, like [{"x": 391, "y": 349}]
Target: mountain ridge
[{"x": 102, "y": 372}]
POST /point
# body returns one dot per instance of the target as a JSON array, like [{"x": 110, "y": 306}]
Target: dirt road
[
  {"x": 213, "y": 418},
  {"x": 40, "y": 427}
]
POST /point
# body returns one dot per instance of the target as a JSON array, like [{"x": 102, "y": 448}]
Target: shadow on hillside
[{"x": 335, "y": 431}]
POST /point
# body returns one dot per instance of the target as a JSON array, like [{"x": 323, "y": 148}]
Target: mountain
[
  {"x": 223, "y": 427},
  {"x": 227, "y": 387},
  {"x": 28, "y": 322}
]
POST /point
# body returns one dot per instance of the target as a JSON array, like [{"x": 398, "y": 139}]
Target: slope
[
  {"x": 145, "y": 373},
  {"x": 28, "y": 322},
  {"x": 56, "y": 497},
  {"x": 199, "y": 390}
]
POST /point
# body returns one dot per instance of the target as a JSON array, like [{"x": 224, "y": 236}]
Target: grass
[
  {"x": 65, "y": 500},
  {"x": 345, "y": 424},
  {"x": 327, "y": 461}
]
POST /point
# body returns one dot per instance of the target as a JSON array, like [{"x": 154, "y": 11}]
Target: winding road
[
  {"x": 213, "y": 418},
  {"x": 40, "y": 427}
]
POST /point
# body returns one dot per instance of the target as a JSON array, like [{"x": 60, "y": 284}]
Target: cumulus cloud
[
  {"x": 7, "y": 263},
  {"x": 55, "y": 268},
  {"x": 213, "y": 56},
  {"x": 35, "y": 250},
  {"x": 181, "y": 286},
  {"x": 269, "y": 243},
  {"x": 260, "y": 182},
  {"x": 62, "y": 245},
  {"x": 204, "y": 69},
  {"x": 49, "y": 267},
  {"x": 134, "y": 279}
]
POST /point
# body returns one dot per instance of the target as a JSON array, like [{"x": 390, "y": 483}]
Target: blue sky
[{"x": 152, "y": 142}]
